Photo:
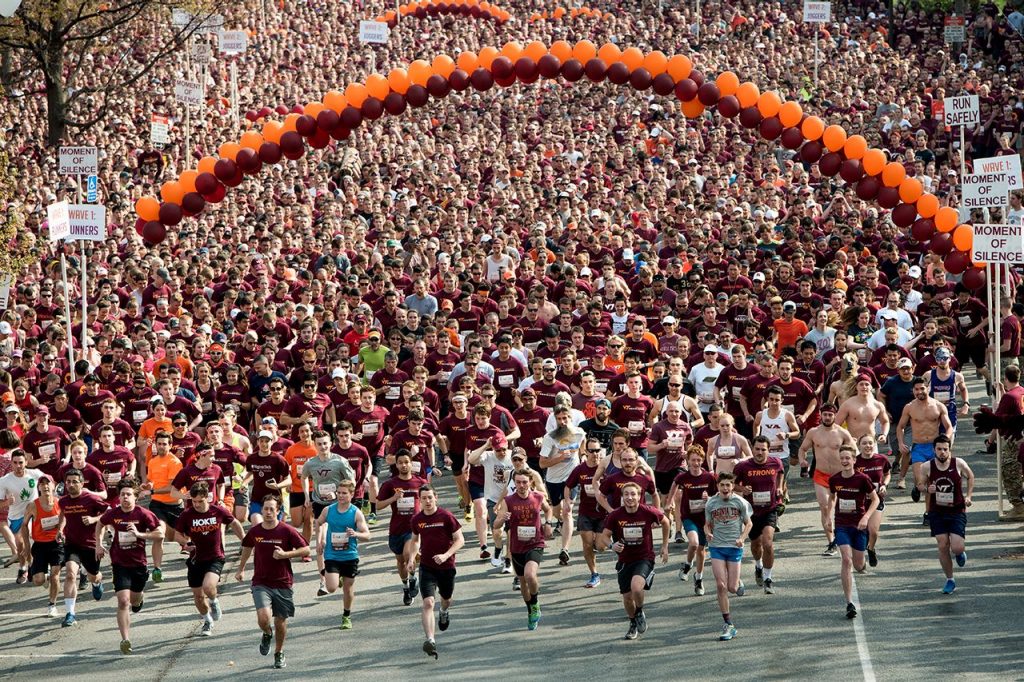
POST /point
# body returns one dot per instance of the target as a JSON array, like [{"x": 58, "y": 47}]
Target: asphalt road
[{"x": 907, "y": 630}]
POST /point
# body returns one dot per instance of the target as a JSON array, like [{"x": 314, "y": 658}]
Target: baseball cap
[
  {"x": 602, "y": 401},
  {"x": 338, "y": 374},
  {"x": 942, "y": 353},
  {"x": 915, "y": 271},
  {"x": 269, "y": 420},
  {"x": 904, "y": 362},
  {"x": 758, "y": 277},
  {"x": 789, "y": 305},
  {"x": 499, "y": 441},
  {"x": 711, "y": 348},
  {"x": 5, "y": 327},
  {"x": 266, "y": 434},
  {"x": 669, "y": 320},
  {"x": 11, "y": 408},
  {"x": 43, "y": 409},
  {"x": 549, "y": 364},
  {"x": 888, "y": 315},
  {"x": 528, "y": 391},
  {"x": 155, "y": 399}
]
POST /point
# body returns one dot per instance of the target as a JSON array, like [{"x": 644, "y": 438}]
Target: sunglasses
[
  {"x": 675, "y": 385},
  {"x": 594, "y": 450},
  {"x": 617, "y": 345}
]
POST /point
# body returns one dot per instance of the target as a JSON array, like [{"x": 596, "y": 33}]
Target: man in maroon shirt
[
  {"x": 80, "y": 510},
  {"x": 369, "y": 428},
  {"x": 90, "y": 401},
  {"x": 759, "y": 480},
  {"x": 45, "y": 444},
  {"x": 631, "y": 410},
  {"x": 199, "y": 469},
  {"x": 730, "y": 383}
]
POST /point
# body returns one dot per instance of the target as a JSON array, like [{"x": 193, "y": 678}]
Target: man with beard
[{"x": 560, "y": 455}]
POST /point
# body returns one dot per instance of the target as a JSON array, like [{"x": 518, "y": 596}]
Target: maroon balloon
[
  {"x": 270, "y": 152},
  {"x": 709, "y": 94},
  {"x": 438, "y": 86},
  {"x": 904, "y": 215},
  {"x": 922, "y": 230},
  {"x": 810, "y": 152},
  {"x": 281, "y": 109},
  {"x": 459, "y": 80},
  {"x": 417, "y": 96},
  {"x": 216, "y": 196},
  {"x": 830, "y": 163},
  {"x": 170, "y": 214},
  {"x": 771, "y": 128},
  {"x": 957, "y": 262},
  {"x": 941, "y": 243},
  {"x": 305, "y": 125},
  {"x": 328, "y": 120},
  {"x": 686, "y": 90},
  {"x": 251, "y": 116},
  {"x": 572, "y": 70},
  {"x": 264, "y": 112},
  {"x": 432, "y": 10},
  {"x": 248, "y": 161},
  {"x": 697, "y": 77},
  {"x": 297, "y": 109},
  {"x": 320, "y": 140},
  {"x": 974, "y": 278},
  {"x": 502, "y": 67},
  {"x": 224, "y": 169},
  {"x": 792, "y": 138},
  {"x": 596, "y": 69},
  {"x": 728, "y": 106},
  {"x": 851, "y": 170},
  {"x": 350, "y": 118},
  {"x": 506, "y": 81},
  {"x": 618, "y": 73},
  {"x": 526, "y": 69},
  {"x": 193, "y": 203},
  {"x": 290, "y": 142},
  {"x": 236, "y": 179},
  {"x": 548, "y": 66},
  {"x": 421, "y": 13},
  {"x": 139, "y": 224},
  {"x": 394, "y": 104},
  {"x": 341, "y": 133},
  {"x": 664, "y": 84},
  {"x": 154, "y": 232},
  {"x": 372, "y": 108},
  {"x": 868, "y": 187},
  {"x": 749, "y": 117},
  {"x": 206, "y": 183},
  {"x": 295, "y": 154},
  {"x": 889, "y": 197},
  {"x": 482, "y": 80},
  {"x": 641, "y": 79}
]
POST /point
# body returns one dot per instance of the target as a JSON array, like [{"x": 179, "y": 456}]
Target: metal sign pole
[
  {"x": 997, "y": 374},
  {"x": 85, "y": 280},
  {"x": 67, "y": 312}
]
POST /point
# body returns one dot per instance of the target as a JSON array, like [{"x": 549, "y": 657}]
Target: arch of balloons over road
[
  {"x": 478, "y": 9},
  {"x": 873, "y": 176}
]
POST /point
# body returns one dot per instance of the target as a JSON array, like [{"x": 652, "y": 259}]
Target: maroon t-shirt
[
  {"x": 205, "y": 531},
  {"x": 76, "y": 533},
  {"x": 851, "y": 497},
  {"x": 405, "y": 507},
  {"x": 191, "y": 474},
  {"x": 763, "y": 480},
  {"x": 371, "y": 426},
  {"x": 532, "y": 425},
  {"x": 113, "y": 465},
  {"x": 359, "y": 459},
  {"x": 92, "y": 478},
  {"x": 435, "y": 531},
  {"x": 635, "y": 531},
  {"x": 525, "y": 522},
  {"x": 693, "y": 489},
  {"x": 730, "y": 382},
  {"x": 127, "y": 550},
  {"x": 583, "y": 476},
  {"x": 611, "y": 487},
  {"x": 271, "y": 467},
  {"x": 268, "y": 571},
  {"x": 631, "y": 414},
  {"x": 875, "y": 467},
  {"x": 454, "y": 431},
  {"x": 91, "y": 406},
  {"x": 51, "y": 442}
]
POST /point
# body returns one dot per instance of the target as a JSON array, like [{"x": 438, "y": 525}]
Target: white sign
[
  {"x": 961, "y": 111},
  {"x": 188, "y": 93},
  {"x": 955, "y": 30},
  {"x": 373, "y": 32},
  {"x": 58, "y": 221},
  {"x": 180, "y": 18},
  {"x": 212, "y": 24},
  {"x": 817, "y": 12},
  {"x": 5, "y": 290},
  {"x": 92, "y": 189},
  {"x": 998, "y": 244},
  {"x": 78, "y": 161},
  {"x": 159, "y": 129},
  {"x": 985, "y": 190},
  {"x": 202, "y": 53},
  {"x": 233, "y": 42},
  {"x": 1006, "y": 165},
  {"x": 88, "y": 222}
]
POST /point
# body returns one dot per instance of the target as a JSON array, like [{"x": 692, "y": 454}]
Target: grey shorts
[
  {"x": 586, "y": 524},
  {"x": 277, "y": 599}
]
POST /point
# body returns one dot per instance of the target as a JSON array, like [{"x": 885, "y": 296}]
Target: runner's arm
[{"x": 965, "y": 472}]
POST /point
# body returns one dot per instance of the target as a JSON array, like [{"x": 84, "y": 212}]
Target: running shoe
[
  {"x": 158, "y": 576},
  {"x": 781, "y": 509},
  {"x": 497, "y": 562},
  {"x": 851, "y": 611},
  {"x": 961, "y": 559},
  {"x": 265, "y": 642},
  {"x": 279, "y": 660},
  {"x": 413, "y": 584},
  {"x": 462, "y": 502},
  {"x": 69, "y": 620},
  {"x": 950, "y": 587},
  {"x": 97, "y": 591},
  {"x": 507, "y": 567},
  {"x": 515, "y": 584},
  {"x": 741, "y": 589},
  {"x": 631, "y": 633},
  {"x": 698, "y": 587},
  {"x": 215, "y": 609},
  {"x": 684, "y": 571},
  {"x": 51, "y": 610},
  {"x": 137, "y": 608},
  {"x": 901, "y": 485},
  {"x": 307, "y": 559},
  {"x": 468, "y": 516},
  {"x": 534, "y": 618},
  {"x": 484, "y": 554},
  {"x": 769, "y": 586},
  {"x": 728, "y": 632},
  {"x": 207, "y": 629},
  {"x": 563, "y": 557},
  {"x": 679, "y": 537},
  {"x": 372, "y": 518},
  {"x": 406, "y": 596},
  {"x": 915, "y": 494},
  {"x": 346, "y": 622},
  {"x": 641, "y": 622},
  {"x": 924, "y": 519},
  {"x": 872, "y": 558},
  {"x": 321, "y": 591},
  {"x": 831, "y": 550},
  {"x": 759, "y": 576},
  {"x": 126, "y": 647},
  {"x": 430, "y": 648},
  {"x": 443, "y": 620},
  {"x": 595, "y": 580},
  {"x": 22, "y": 576}
]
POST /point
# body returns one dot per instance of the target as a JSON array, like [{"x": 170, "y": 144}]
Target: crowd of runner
[{"x": 596, "y": 316}]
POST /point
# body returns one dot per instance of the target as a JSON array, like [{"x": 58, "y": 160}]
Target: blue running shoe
[{"x": 950, "y": 587}]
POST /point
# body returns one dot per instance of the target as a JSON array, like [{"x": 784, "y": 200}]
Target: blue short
[
  {"x": 922, "y": 452},
  {"x": 948, "y": 523},
  {"x": 852, "y": 536},
  {"x": 15, "y": 524},
  {"x": 689, "y": 526},
  {"x": 731, "y": 554},
  {"x": 476, "y": 491},
  {"x": 396, "y": 543},
  {"x": 257, "y": 508}
]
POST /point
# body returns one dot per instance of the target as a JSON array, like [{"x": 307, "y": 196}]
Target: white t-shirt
[
  {"x": 497, "y": 474},
  {"x": 550, "y": 447},
  {"x": 703, "y": 379},
  {"x": 22, "y": 490}
]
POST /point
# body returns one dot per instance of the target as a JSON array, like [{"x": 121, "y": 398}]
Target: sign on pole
[
  {"x": 188, "y": 93},
  {"x": 88, "y": 222},
  {"x": 985, "y": 190},
  {"x": 817, "y": 12},
  {"x": 1007, "y": 166},
  {"x": 92, "y": 189},
  {"x": 159, "y": 129},
  {"x": 78, "y": 161},
  {"x": 961, "y": 111},
  {"x": 202, "y": 53},
  {"x": 373, "y": 32},
  {"x": 998, "y": 244},
  {"x": 212, "y": 24},
  {"x": 58, "y": 221},
  {"x": 233, "y": 42},
  {"x": 955, "y": 30},
  {"x": 5, "y": 290},
  {"x": 180, "y": 18}
]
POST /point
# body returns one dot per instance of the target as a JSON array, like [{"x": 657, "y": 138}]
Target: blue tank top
[
  {"x": 339, "y": 546},
  {"x": 944, "y": 390}
]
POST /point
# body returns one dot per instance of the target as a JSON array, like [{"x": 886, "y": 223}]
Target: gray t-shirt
[
  {"x": 325, "y": 475},
  {"x": 726, "y": 518},
  {"x": 551, "y": 446}
]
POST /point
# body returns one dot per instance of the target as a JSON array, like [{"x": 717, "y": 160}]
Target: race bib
[
  {"x": 113, "y": 477},
  {"x": 945, "y": 499},
  {"x": 370, "y": 429},
  {"x": 47, "y": 450},
  {"x": 417, "y": 466},
  {"x": 505, "y": 380},
  {"x": 632, "y": 535},
  {"x": 964, "y": 320},
  {"x": 847, "y": 506},
  {"x": 789, "y": 408},
  {"x": 942, "y": 396},
  {"x": 726, "y": 451},
  {"x": 50, "y": 522},
  {"x": 339, "y": 541},
  {"x": 207, "y": 407},
  {"x": 139, "y": 415},
  {"x": 589, "y": 489},
  {"x": 393, "y": 393},
  {"x": 405, "y": 505},
  {"x": 698, "y": 504},
  {"x": 675, "y": 440},
  {"x": 601, "y": 386},
  {"x": 442, "y": 378},
  {"x": 326, "y": 490},
  {"x": 526, "y": 533},
  {"x": 636, "y": 426},
  {"x": 736, "y": 392},
  {"x": 762, "y": 497},
  {"x": 126, "y": 539}
]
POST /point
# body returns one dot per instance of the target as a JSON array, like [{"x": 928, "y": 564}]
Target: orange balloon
[
  {"x": 172, "y": 192},
  {"x": 313, "y": 109},
  {"x": 335, "y": 101},
  {"x": 558, "y": 13},
  {"x": 946, "y": 219},
  {"x": 927, "y": 205},
  {"x": 290, "y": 122},
  {"x": 585, "y": 50},
  {"x": 790, "y": 114},
  {"x": 377, "y": 86},
  {"x": 812, "y": 128},
  {"x": 693, "y": 108},
  {"x": 356, "y": 93},
  {"x": 873, "y": 161},
  {"x": 562, "y": 50},
  {"x": 251, "y": 139},
  {"x": 728, "y": 83},
  {"x": 229, "y": 150},
  {"x": 420, "y": 72},
  {"x": 188, "y": 180},
  {"x": 855, "y": 147},
  {"x": 910, "y": 190},
  {"x": 679, "y": 67},
  {"x": 443, "y": 65},
  {"x": 272, "y": 132},
  {"x": 768, "y": 104},
  {"x": 748, "y": 94},
  {"x": 535, "y": 50},
  {"x": 963, "y": 237},
  {"x": 206, "y": 164},
  {"x": 632, "y": 57},
  {"x": 487, "y": 56},
  {"x": 148, "y": 208},
  {"x": 398, "y": 80},
  {"x": 609, "y": 53},
  {"x": 655, "y": 62},
  {"x": 512, "y": 49},
  {"x": 893, "y": 174},
  {"x": 834, "y": 138}
]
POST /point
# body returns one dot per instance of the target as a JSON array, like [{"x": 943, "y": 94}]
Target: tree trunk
[
  {"x": 56, "y": 93},
  {"x": 5, "y": 69}
]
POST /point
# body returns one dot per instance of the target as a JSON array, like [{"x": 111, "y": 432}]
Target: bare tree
[{"x": 60, "y": 38}]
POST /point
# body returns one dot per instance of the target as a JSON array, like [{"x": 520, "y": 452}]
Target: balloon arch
[
  {"x": 431, "y": 8},
  {"x": 836, "y": 153}
]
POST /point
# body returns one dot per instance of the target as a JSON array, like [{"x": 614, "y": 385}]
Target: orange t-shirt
[
  {"x": 160, "y": 471},
  {"x": 788, "y": 333},
  {"x": 296, "y": 455},
  {"x": 149, "y": 429}
]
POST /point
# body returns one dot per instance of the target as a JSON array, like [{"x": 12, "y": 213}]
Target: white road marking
[{"x": 862, "y": 640}]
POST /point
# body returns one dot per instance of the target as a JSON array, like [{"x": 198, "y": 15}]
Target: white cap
[
  {"x": 904, "y": 362},
  {"x": 205, "y": 329},
  {"x": 669, "y": 320},
  {"x": 5, "y": 327},
  {"x": 711, "y": 348},
  {"x": 266, "y": 434},
  {"x": 339, "y": 373},
  {"x": 758, "y": 276},
  {"x": 915, "y": 271}
]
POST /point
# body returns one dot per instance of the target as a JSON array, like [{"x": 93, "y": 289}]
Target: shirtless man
[
  {"x": 926, "y": 416},
  {"x": 860, "y": 412},
  {"x": 727, "y": 448},
  {"x": 825, "y": 439}
]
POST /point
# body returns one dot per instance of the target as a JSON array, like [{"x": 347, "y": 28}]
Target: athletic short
[
  {"x": 83, "y": 556},
  {"x": 45, "y": 555},
  {"x": 318, "y": 508},
  {"x": 396, "y": 543},
  {"x": 693, "y": 527},
  {"x": 663, "y": 480},
  {"x": 197, "y": 570},
  {"x": 257, "y": 508},
  {"x": 346, "y": 569},
  {"x": 948, "y": 523},
  {"x": 626, "y": 572},
  {"x": 762, "y": 521},
  {"x": 588, "y": 524},
  {"x": 520, "y": 559},
  {"x": 921, "y": 453},
  {"x": 821, "y": 478},
  {"x": 476, "y": 490},
  {"x": 731, "y": 554},
  {"x": 294, "y": 500},
  {"x": 458, "y": 462},
  {"x": 132, "y": 578},
  {"x": 380, "y": 468},
  {"x": 556, "y": 491},
  {"x": 168, "y": 513},
  {"x": 441, "y": 580},
  {"x": 277, "y": 599},
  {"x": 965, "y": 351},
  {"x": 15, "y": 524},
  {"x": 491, "y": 506},
  {"x": 852, "y": 536},
  {"x": 241, "y": 498}
]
